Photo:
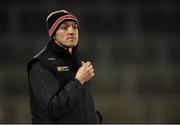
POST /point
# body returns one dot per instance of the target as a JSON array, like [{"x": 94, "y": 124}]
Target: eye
[
  {"x": 75, "y": 27},
  {"x": 64, "y": 27}
]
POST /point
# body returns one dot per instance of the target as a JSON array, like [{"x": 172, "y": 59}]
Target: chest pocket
[{"x": 63, "y": 74}]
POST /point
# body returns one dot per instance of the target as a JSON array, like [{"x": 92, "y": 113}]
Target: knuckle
[{"x": 89, "y": 62}]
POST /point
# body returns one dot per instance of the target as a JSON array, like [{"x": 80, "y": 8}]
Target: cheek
[
  {"x": 77, "y": 35},
  {"x": 60, "y": 35}
]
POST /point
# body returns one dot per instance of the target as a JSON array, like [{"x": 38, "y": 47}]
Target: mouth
[{"x": 71, "y": 38}]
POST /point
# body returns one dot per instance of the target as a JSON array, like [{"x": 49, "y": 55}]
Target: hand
[{"x": 85, "y": 72}]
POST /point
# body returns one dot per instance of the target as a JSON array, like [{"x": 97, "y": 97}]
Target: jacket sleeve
[{"x": 45, "y": 88}]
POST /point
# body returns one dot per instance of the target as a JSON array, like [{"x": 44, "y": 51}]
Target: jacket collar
[{"x": 60, "y": 50}]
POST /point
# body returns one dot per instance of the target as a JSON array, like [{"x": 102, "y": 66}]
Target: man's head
[{"x": 63, "y": 27}]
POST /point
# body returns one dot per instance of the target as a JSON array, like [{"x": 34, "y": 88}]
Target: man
[{"x": 58, "y": 76}]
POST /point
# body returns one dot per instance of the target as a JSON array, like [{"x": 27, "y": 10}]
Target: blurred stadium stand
[{"x": 134, "y": 46}]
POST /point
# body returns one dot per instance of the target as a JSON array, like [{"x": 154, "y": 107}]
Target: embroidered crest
[{"x": 62, "y": 68}]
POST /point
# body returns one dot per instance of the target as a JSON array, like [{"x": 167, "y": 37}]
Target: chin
[
  {"x": 74, "y": 45},
  {"x": 71, "y": 46}
]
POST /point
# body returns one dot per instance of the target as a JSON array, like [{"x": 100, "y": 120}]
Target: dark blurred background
[{"x": 133, "y": 44}]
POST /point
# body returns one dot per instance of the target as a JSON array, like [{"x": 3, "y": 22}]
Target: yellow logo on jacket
[
  {"x": 62, "y": 68},
  {"x": 59, "y": 68}
]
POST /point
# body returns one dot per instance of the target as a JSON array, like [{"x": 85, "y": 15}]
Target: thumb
[{"x": 82, "y": 63}]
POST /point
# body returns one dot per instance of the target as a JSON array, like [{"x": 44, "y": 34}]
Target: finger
[
  {"x": 90, "y": 67},
  {"x": 88, "y": 63},
  {"x": 92, "y": 74},
  {"x": 92, "y": 70}
]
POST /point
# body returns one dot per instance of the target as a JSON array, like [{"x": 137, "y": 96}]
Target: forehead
[{"x": 69, "y": 22}]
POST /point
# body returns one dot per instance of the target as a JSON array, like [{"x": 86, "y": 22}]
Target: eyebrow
[{"x": 67, "y": 23}]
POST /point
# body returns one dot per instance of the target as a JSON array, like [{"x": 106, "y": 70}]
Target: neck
[{"x": 70, "y": 50}]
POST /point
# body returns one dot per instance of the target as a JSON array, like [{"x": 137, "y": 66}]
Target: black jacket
[{"x": 55, "y": 95}]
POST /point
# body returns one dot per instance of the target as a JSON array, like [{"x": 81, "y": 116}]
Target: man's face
[{"x": 67, "y": 34}]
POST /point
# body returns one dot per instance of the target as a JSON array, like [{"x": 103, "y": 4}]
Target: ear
[{"x": 54, "y": 37}]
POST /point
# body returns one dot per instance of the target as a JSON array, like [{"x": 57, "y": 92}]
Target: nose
[{"x": 71, "y": 29}]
